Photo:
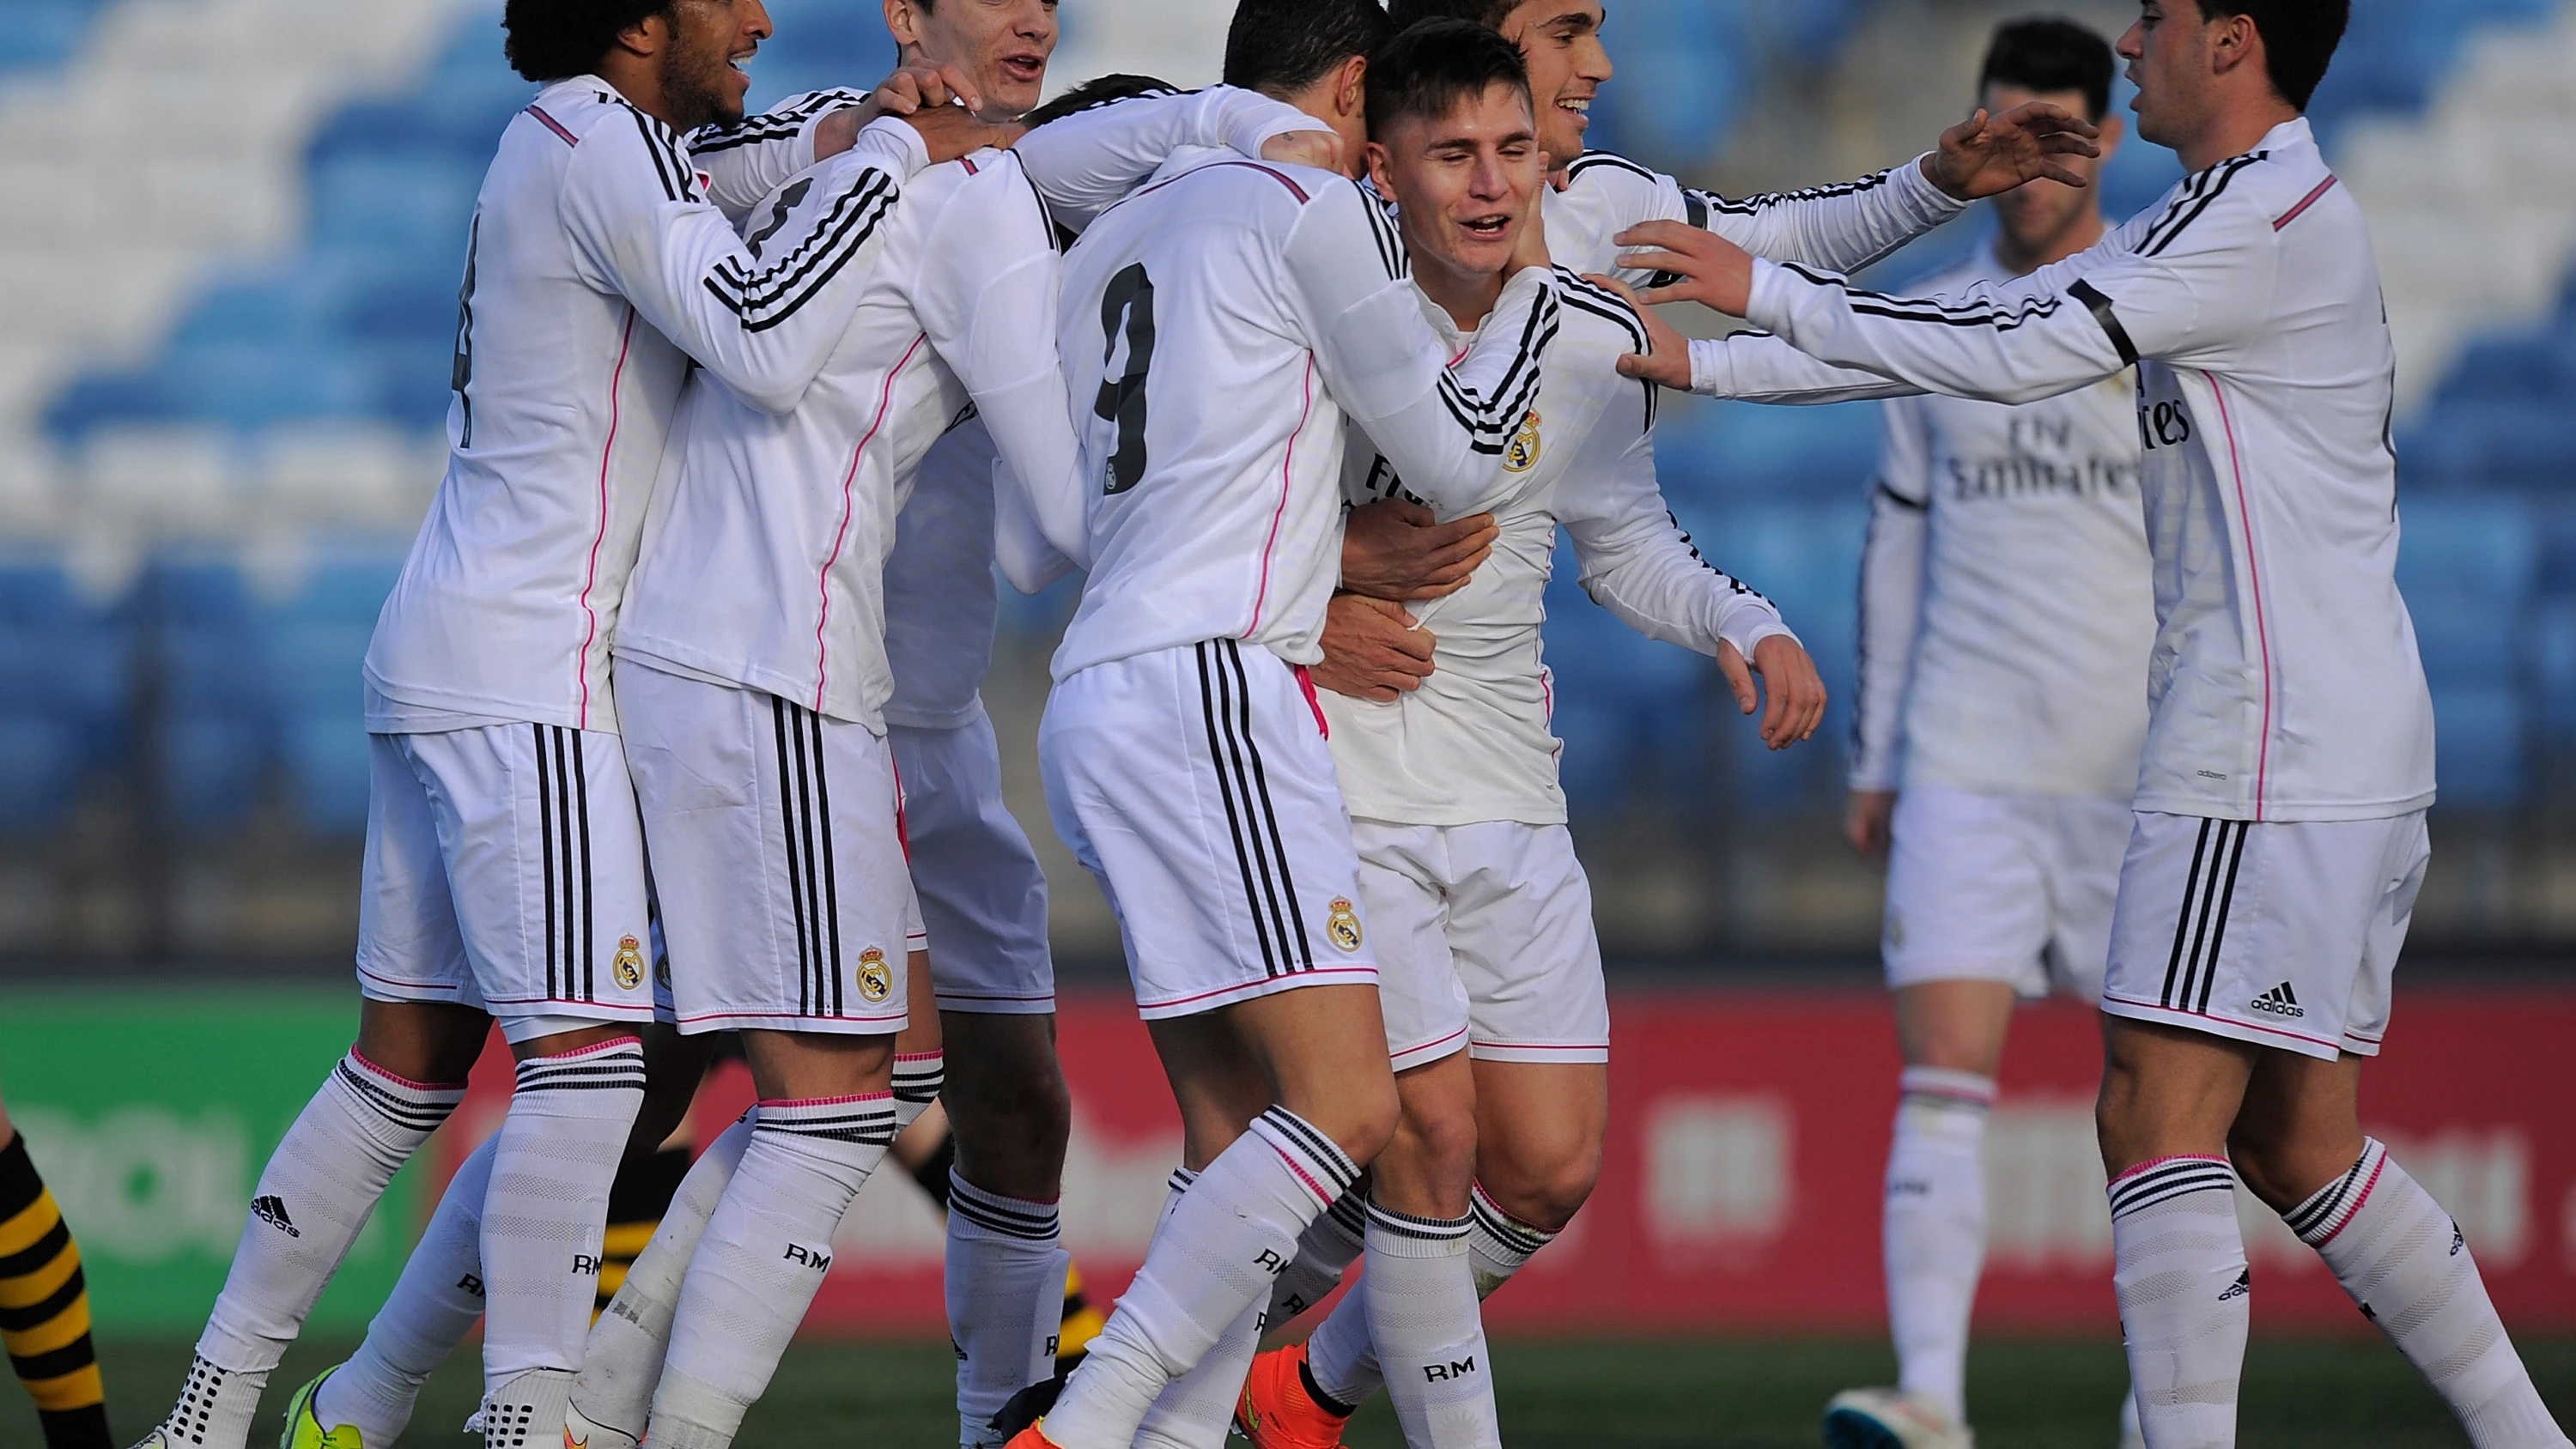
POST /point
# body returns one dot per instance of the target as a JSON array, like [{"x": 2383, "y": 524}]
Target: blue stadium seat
[
  {"x": 66, "y": 690},
  {"x": 1806, "y": 559},
  {"x": 2553, "y": 660},
  {"x": 41, "y": 762},
  {"x": 1686, "y": 68},
  {"x": 317, "y": 640},
  {"x": 216, "y": 738},
  {"x": 2478, "y": 746},
  {"x": 41, "y": 34},
  {"x": 2466, "y": 564},
  {"x": 1630, "y": 711}
]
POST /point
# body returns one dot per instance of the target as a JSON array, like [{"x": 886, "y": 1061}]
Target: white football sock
[
  {"x": 433, "y": 1306},
  {"x": 1196, "y": 1409},
  {"x": 1005, "y": 1297},
  {"x": 761, "y": 1260},
  {"x": 2184, "y": 1290},
  {"x": 918, "y": 1080},
  {"x": 1342, "y": 1361},
  {"x": 622, "y": 1360},
  {"x": 316, "y": 1192},
  {"x": 2407, "y": 1264},
  {"x": 1934, "y": 1229},
  {"x": 546, "y": 1214},
  {"x": 1429, "y": 1338},
  {"x": 1325, "y": 1251},
  {"x": 1217, "y": 1254}
]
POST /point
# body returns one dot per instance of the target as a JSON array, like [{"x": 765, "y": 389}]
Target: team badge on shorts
[
  {"x": 1523, "y": 453},
  {"x": 876, "y": 983},
  {"x": 1343, "y": 925},
  {"x": 630, "y": 962}
]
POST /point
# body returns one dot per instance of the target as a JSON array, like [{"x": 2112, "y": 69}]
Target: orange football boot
[
  {"x": 1030, "y": 1438},
  {"x": 1279, "y": 1411}
]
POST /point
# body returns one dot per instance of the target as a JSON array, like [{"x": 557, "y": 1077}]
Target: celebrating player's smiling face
[
  {"x": 1002, "y": 45},
  {"x": 1462, "y": 183},
  {"x": 1560, "y": 40},
  {"x": 703, "y": 75}
]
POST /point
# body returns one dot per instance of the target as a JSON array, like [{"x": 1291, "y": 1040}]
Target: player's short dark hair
[
  {"x": 2299, "y": 39},
  {"x": 1431, "y": 69},
  {"x": 1280, "y": 47},
  {"x": 1099, "y": 91},
  {"x": 2045, "y": 53},
  {"x": 1490, "y": 14},
  {"x": 552, "y": 40}
]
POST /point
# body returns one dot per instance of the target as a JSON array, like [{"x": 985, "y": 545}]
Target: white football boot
[{"x": 1891, "y": 1419}]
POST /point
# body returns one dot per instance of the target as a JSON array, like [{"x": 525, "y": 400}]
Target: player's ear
[
  {"x": 1350, "y": 87},
  {"x": 1380, "y": 174},
  {"x": 648, "y": 37},
  {"x": 903, "y": 23}
]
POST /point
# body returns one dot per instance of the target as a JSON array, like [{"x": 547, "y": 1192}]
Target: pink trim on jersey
[
  {"x": 1294, "y": 189},
  {"x": 823, "y": 580},
  {"x": 2285, "y": 218},
  {"x": 1285, "y": 471},
  {"x": 2262, "y": 631},
  {"x": 1306, "y": 683},
  {"x": 590, "y": 634},
  {"x": 551, "y": 124},
  {"x": 1263, "y": 986},
  {"x": 969, "y": 163}
]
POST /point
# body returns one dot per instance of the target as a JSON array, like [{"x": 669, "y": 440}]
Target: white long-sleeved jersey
[
  {"x": 2006, "y": 611},
  {"x": 1219, "y": 329},
  {"x": 1473, "y": 743},
  {"x": 2285, "y": 682},
  {"x": 595, "y": 273},
  {"x": 764, "y": 559},
  {"x": 1841, "y": 228}
]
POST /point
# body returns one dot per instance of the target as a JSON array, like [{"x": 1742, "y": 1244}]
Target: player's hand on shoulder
[
  {"x": 920, "y": 86},
  {"x": 1373, "y": 650},
  {"x": 1323, "y": 150},
  {"x": 1795, "y": 702},
  {"x": 954, "y": 131},
  {"x": 1396, "y": 549},
  {"x": 1707, "y": 268},
  {"x": 1666, "y": 362},
  {"x": 1865, "y": 821},
  {"x": 1529, "y": 248},
  {"x": 1987, "y": 154}
]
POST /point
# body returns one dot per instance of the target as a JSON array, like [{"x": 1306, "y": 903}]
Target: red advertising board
[{"x": 1748, "y": 1134}]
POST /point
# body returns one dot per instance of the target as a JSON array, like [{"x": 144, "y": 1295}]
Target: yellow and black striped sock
[{"x": 44, "y": 1308}]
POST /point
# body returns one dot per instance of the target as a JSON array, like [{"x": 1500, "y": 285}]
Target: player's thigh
[
  {"x": 1196, "y": 783},
  {"x": 776, "y": 856},
  {"x": 1216, "y": 1083},
  {"x": 544, "y": 852},
  {"x": 1539, "y": 1133},
  {"x": 983, "y": 894},
  {"x": 1520, "y": 929},
  {"x": 2278, "y": 934},
  {"x": 2087, "y": 838},
  {"x": 2168, "y": 1091},
  {"x": 1967, "y": 891},
  {"x": 1954, "y": 1024},
  {"x": 1419, "y": 990}
]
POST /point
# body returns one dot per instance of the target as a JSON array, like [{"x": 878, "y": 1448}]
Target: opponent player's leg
[
  {"x": 44, "y": 1303},
  {"x": 983, "y": 898}
]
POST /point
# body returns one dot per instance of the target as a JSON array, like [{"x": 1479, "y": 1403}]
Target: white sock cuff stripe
[
  {"x": 611, "y": 1066},
  {"x": 867, "y": 1119},
  {"x": 1406, "y": 1225},
  {"x": 407, "y": 1105},
  {"x": 918, "y": 1077},
  {"x": 2331, "y": 1207},
  {"x": 1502, "y": 1227},
  {"x": 1012, "y": 1217},
  {"x": 2168, "y": 1178},
  {"x": 1955, "y": 1088},
  {"x": 1328, "y": 1171}
]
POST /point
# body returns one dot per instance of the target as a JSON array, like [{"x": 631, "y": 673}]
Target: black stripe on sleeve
[{"x": 2086, "y": 293}]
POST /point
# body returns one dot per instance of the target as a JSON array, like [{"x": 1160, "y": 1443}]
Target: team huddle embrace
[{"x": 678, "y": 744}]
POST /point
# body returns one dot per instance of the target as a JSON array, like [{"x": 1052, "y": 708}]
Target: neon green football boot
[{"x": 304, "y": 1431}]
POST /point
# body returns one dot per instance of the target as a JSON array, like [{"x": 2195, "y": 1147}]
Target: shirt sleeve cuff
[
  {"x": 1928, "y": 200},
  {"x": 892, "y": 142},
  {"x": 1766, "y": 303},
  {"x": 1712, "y": 367},
  {"x": 1747, "y": 634}
]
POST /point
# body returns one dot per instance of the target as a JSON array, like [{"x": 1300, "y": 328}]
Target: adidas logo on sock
[
  {"x": 2243, "y": 1285},
  {"x": 272, "y": 1211},
  {"x": 2280, "y": 1001}
]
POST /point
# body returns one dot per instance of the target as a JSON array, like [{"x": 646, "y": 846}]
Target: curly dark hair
[{"x": 552, "y": 40}]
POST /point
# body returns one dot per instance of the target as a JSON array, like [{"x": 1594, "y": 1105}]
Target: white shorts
[
  {"x": 2011, "y": 888},
  {"x": 2284, "y": 934},
  {"x": 1484, "y": 941},
  {"x": 504, "y": 871},
  {"x": 982, "y": 892},
  {"x": 1196, "y": 785},
  {"x": 777, "y": 849}
]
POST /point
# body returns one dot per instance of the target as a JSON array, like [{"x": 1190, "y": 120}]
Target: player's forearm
[
  {"x": 1836, "y": 228},
  {"x": 2008, "y": 349},
  {"x": 745, "y": 162},
  {"x": 1685, "y": 601},
  {"x": 1758, "y": 367},
  {"x": 1089, "y": 161}
]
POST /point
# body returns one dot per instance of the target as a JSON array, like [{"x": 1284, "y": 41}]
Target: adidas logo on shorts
[{"x": 2280, "y": 1001}]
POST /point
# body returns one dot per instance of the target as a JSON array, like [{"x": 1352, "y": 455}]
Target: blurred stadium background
[{"x": 228, "y": 274}]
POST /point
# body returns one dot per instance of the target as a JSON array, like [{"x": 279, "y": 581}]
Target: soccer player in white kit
[
  {"x": 504, "y": 870},
  {"x": 1229, "y": 322},
  {"x": 1482, "y": 915},
  {"x": 2006, "y": 617},
  {"x": 2279, "y": 838}
]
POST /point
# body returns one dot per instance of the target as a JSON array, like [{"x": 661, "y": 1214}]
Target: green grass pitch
[{"x": 1584, "y": 1394}]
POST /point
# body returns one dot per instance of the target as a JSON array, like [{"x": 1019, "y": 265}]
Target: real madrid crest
[
  {"x": 630, "y": 962},
  {"x": 1523, "y": 453},
  {"x": 1343, "y": 925},
  {"x": 876, "y": 983}
]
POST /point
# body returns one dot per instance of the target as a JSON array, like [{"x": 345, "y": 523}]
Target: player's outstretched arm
[
  {"x": 1747, "y": 366},
  {"x": 744, "y": 162},
  {"x": 1988, "y": 154},
  {"x": 1087, "y": 162},
  {"x": 1442, "y": 426}
]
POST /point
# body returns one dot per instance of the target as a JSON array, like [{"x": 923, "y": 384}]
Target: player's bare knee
[
  {"x": 422, "y": 1041},
  {"x": 1545, "y": 1188},
  {"x": 1441, "y": 1136}
]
